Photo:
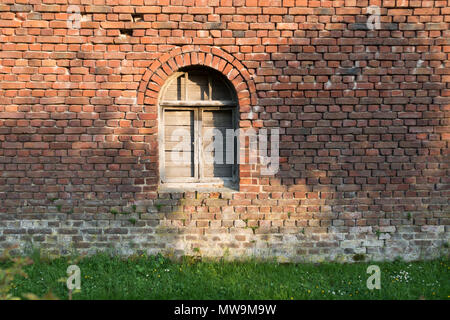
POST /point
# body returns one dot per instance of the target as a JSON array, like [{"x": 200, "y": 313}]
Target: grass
[{"x": 155, "y": 277}]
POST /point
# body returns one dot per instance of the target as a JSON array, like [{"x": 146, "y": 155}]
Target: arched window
[{"x": 198, "y": 142}]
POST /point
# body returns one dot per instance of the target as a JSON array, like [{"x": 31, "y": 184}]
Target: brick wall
[{"x": 363, "y": 117}]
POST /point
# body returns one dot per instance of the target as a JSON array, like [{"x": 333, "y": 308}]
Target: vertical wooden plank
[
  {"x": 236, "y": 146},
  {"x": 162, "y": 156},
  {"x": 199, "y": 143},
  {"x": 196, "y": 144},
  {"x": 186, "y": 97},
  {"x": 209, "y": 87}
]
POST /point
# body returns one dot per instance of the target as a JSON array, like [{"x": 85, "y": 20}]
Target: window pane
[
  {"x": 220, "y": 90},
  {"x": 217, "y": 118},
  {"x": 179, "y": 143},
  {"x": 175, "y": 90},
  {"x": 198, "y": 88}
]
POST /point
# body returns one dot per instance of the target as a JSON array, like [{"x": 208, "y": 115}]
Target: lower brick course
[{"x": 188, "y": 223}]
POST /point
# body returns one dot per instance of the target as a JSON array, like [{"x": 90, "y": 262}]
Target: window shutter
[
  {"x": 179, "y": 143},
  {"x": 214, "y": 143},
  {"x": 198, "y": 108}
]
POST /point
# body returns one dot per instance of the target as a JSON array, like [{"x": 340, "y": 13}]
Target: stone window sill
[{"x": 199, "y": 187}]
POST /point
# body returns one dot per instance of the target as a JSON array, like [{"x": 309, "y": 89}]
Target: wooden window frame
[{"x": 198, "y": 107}]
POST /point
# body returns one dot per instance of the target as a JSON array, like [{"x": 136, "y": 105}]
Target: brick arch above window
[{"x": 162, "y": 68}]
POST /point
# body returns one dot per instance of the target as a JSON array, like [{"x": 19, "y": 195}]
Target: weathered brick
[{"x": 362, "y": 116}]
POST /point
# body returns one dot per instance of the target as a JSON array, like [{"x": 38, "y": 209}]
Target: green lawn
[{"x": 155, "y": 277}]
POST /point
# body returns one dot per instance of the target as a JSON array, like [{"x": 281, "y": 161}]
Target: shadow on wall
[{"x": 360, "y": 174}]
